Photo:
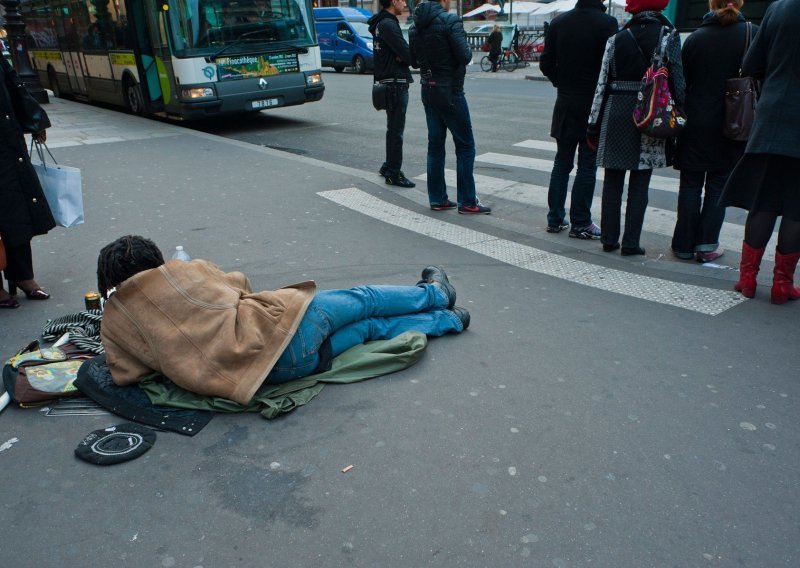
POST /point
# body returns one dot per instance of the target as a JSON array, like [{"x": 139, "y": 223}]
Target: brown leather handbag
[{"x": 741, "y": 96}]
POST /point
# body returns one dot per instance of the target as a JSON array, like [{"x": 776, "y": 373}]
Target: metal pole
[
  {"x": 511, "y": 12},
  {"x": 15, "y": 27}
]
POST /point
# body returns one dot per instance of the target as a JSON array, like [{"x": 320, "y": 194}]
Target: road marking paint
[
  {"x": 656, "y": 182},
  {"x": 698, "y": 299},
  {"x": 538, "y": 145},
  {"x": 658, "y": 221}
]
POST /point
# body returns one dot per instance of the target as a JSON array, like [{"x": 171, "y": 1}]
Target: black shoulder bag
[{"x": 741, "y": 96}]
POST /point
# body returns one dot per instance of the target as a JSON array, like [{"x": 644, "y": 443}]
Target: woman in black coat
[
  {"x": 765, "y": 180},
  {"x": 711, "y": 55},
  {"x": 24, "y": 212},
  {"x": 621, "y": 147}
]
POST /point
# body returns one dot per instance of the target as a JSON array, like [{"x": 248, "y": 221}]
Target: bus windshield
[{"x": 203, "y": 27}]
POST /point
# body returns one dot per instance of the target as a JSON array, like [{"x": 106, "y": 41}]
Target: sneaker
[
  {"x": 400, "y": 181},
  {"x": 590, "y": 232},
  {"x": 476, "y": 209},
  {"x": 463, "y": 315},
  {"x": 436, "y": 276},
  {"x": 444, "y": 206},
  {"x": 557, "y": 228},
  {"x": 383, "y": 169},
  {"x": 709, "y": 256}
]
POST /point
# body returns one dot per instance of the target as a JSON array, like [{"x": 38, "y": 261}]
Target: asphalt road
[{"x": 600, "y": 410}]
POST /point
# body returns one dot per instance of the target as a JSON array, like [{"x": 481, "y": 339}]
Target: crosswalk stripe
[
  {"x": 656, "y": 182},
  {"x": 708, "y": 301},
  {"x": 538, "y": 145},
  {"x": 658, "y": 221}
]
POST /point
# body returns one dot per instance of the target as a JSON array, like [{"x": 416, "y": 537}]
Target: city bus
[
  {"x": 688, "y": 14},
  {"x": 182, "y": 59}
]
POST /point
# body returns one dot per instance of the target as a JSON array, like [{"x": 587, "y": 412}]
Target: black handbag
[
  {"x": 379, "y": 94},
  {"x": 29, "y": 113},
  {"x": 741, "y": 96}
]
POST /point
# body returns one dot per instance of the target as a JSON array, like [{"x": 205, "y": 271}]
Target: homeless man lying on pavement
[{"x": 209, "y": 333}]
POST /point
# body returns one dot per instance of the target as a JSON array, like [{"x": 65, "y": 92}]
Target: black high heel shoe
[{"x": 35, "y": 294}]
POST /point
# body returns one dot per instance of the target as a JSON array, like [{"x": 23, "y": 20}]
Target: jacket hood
[
  {"x": 425, "y": 13},
  {"x": 596, "y": 4},
  {"x": 376, "y": 18}
]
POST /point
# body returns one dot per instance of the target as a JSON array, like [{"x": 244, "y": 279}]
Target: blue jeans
[
  {"x": 455, "y": 119},
  {"x": 580, "y": 210},
  {"x": 396, "y": 105},
  {"x": 365, "y": 313},
  {"x": 697, "y": 228}
]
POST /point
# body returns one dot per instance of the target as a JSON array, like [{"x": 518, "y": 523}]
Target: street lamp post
[{"x": 15, "y": 27}]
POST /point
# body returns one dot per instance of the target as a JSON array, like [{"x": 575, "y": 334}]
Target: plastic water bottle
[{"x": 180, "y": 254}]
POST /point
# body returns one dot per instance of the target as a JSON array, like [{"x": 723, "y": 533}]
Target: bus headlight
[
  {"x": 313, "y": 79},
  {"x": 197, "y": 93}
]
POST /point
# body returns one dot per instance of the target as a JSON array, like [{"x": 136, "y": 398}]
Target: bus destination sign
[{"x": 249, "y": 66}]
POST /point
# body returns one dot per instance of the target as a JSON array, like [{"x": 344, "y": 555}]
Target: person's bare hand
[{"x": 40, "y": 136}]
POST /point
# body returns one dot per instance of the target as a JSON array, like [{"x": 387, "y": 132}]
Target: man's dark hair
[
  {"x": 123, "y": 258},
  {"x": 385, "y": 4}
]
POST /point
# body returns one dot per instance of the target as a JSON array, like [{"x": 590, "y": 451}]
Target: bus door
[
  {"x": 148, "y": 35},
  {"x": 73, "y": 58}
]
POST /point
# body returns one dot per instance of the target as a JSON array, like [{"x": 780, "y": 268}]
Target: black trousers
[
  {"x": 396, "y": 105},
  {"x": 638, "y": 186},
  {"x": 20, "y": 262}
]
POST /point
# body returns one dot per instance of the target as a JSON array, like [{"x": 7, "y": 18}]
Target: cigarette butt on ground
[{"x": 348, "y": 468}]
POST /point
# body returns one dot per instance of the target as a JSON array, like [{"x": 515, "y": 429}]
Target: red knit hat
[{"x": 636, "y": 6}]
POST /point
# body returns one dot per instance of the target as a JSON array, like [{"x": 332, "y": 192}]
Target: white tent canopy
[{"x": 533, "y": 12}]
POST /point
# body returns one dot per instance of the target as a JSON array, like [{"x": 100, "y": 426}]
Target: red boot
[
  {"x": 748, "y": 270},
  {"x": 783, "y": 278}
]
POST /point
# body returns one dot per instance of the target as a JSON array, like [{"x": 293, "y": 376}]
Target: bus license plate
[{"x": 265, "y": 103}]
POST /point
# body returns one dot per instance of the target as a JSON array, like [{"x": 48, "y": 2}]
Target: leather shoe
[
  {"x": 400, "y": 181},
  {"x": 463, "y": 315},
  {"x": 610, "y": 248},
  {"x": 438, "y": 277},
  {"x": 631, "y": 251},
  {"x": 10, "y": 303}
]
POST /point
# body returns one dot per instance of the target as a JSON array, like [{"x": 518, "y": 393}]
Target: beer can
[{"x": 92, "y": 300}]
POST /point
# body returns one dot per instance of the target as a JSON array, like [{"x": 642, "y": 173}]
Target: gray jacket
[{"x": 775, "y": 58}]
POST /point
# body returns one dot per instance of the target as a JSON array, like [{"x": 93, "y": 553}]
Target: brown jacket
[{"x": 202, "y": 328}]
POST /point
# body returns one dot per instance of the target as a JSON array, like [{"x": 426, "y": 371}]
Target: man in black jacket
[
  {"x": 439, "y": 43},
  {"x": 392, "y": 58},
  {"x": 573, "y": 52}
]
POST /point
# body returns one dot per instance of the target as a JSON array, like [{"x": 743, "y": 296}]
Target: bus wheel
[
  {"x": 133, "y": 97},
  {"x": 338, "y": 68},
  {"x": 53, "y": 80},
  {"x": 359, "y": 65}
]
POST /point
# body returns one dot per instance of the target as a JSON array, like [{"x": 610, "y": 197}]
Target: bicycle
[{"x": 509, "y": 61}]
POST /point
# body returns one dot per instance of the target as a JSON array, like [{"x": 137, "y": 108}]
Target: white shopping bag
[{"x": 62, "y": 188}]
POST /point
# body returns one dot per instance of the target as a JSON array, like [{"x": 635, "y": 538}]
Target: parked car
[
  {"x": 482, "y": 29},
  {"x": 344, "y": 39}
]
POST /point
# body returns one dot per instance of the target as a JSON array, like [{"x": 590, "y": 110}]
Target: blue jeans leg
[
  {"x": 437, "y": 136},
  {"x": 434, "y": 323},
  {"x": 457, "y": 120},
  {"x": 333, "y": 310},
  {"x": 712, "y": 215},
  {"x": 580, "y": 209},
  {"x": 684, "y": 237},
  {"x": 559, "y": 181}
]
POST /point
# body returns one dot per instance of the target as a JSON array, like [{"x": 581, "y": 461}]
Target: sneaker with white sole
[{"x": 590, "y": 232}]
